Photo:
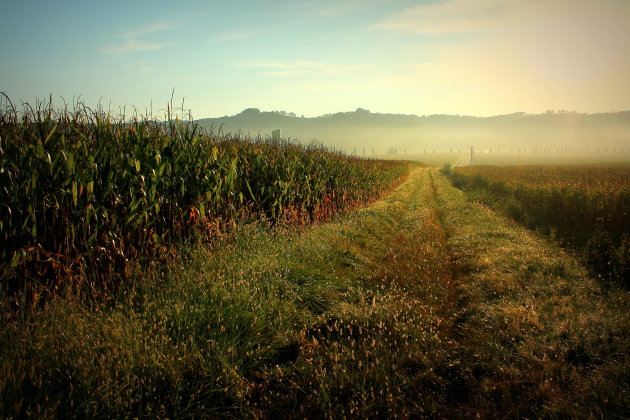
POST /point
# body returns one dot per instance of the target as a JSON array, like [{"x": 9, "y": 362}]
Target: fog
[{"x": 552, "y": 136}]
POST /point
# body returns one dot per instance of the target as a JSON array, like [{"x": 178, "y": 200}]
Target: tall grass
[
  {"x": 85, "y": 194},
  {"x": 423, "y": 305},
  {"x": 587, "y": 208}
]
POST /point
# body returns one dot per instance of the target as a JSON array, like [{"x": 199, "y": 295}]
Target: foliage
[
  {"x": 423, "y": 305},
  {"x": 84, "y": 194},
  {"x": 585, "y": 207}
]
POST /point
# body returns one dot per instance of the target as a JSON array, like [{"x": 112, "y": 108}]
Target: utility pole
[{"x": 472, "y": 154}]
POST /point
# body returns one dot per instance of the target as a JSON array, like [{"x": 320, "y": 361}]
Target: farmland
[
  {"x": 153, "y": 271},
  {"x": 423, "y": 304},
  {"x": 86, "y": 195},
  {"x": 585, "y": 208}
]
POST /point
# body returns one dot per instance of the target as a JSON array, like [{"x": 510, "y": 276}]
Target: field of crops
[
  {"x": 84, "y": 195},
  {"x": 587, "y": 208}
]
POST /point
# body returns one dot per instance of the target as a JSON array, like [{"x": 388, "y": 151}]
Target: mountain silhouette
[{"x": 362, "y": 129}]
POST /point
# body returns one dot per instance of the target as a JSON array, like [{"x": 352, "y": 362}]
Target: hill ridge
[{"x": 361, "y": 129}]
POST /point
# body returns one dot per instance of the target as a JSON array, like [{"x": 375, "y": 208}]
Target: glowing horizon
[{"x": 467, "y": 57}]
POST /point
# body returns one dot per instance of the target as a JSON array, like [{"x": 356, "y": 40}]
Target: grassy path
[
  {"x": 477, "y": 316},
  {"x": 539, "y": 336},
  {"x": 424, "y": 304}
]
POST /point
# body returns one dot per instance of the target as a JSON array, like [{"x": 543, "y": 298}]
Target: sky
[{"x": 469, "y": 57}]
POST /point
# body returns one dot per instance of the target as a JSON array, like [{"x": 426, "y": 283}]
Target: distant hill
[{"x": 362, "y": 129}]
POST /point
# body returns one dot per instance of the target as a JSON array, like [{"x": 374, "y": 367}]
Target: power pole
[{"x": 472, "y": 154}]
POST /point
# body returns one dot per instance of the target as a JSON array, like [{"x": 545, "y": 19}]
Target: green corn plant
[{"x": 85, "y": 195}]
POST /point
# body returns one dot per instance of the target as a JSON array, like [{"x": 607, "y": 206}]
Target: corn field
[
  {"x": 587, "y": 208},
  {"x": 83, "y": 194}
]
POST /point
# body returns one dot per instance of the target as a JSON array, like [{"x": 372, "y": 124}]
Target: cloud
[
  {"x": 489, "y": 16},
  {"x": 423, "y": 65},
  {"x": 514, "y": 54},
  {"x": 555, "y": 40},
  {"x": 148, "y": 29},
  {"x": 232, "y": 36},
  {"x": 451, "y": 16},
  {"x": 337, "y": 8},
  {"x": 141, "y": 66},
  {"x": 132, "y": 45},
  {"x": 278, "y": 68}
]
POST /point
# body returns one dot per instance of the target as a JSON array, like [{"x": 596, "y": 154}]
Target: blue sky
[{"x": 474, "y": 57}]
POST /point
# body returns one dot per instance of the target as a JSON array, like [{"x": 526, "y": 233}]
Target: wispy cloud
[
  {"x": 337, "y": 8},
  {"x": 131, "y": 42},
  {"x": 451, "y": 16},
  {"x": 141, "y": 66},
  {"x": 560, "y": 41},
  {"x": 491, "y": 16},
  {"x": 232, "y": 36},
  {"x": 423, "y": 65},
  {"x": 278, "y": 68},
  {"x": 132, "y": 45},
  {"x": 147, "y": 29}
]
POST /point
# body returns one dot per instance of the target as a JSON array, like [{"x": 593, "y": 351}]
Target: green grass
[
  {"x": 550, "y": 340},
  {"x": 584, "y": 208},
  {"x": 424, "y": 304},
  {"x": 222, "y": 324}
]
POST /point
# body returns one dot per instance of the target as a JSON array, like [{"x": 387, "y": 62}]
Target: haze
[
  {"x": 603, "y": 137},
  {"x": 471, "y": 57}
]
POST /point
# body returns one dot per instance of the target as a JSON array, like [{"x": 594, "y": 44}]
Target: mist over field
[
  {"x": 315, "y": 209},
  {"x": 364, "y": 132}
]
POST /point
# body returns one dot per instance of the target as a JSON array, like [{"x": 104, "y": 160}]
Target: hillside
[{"x": 362, "y": 129}]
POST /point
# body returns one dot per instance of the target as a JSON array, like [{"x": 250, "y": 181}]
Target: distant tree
[{"x": 391, "y": 151}]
